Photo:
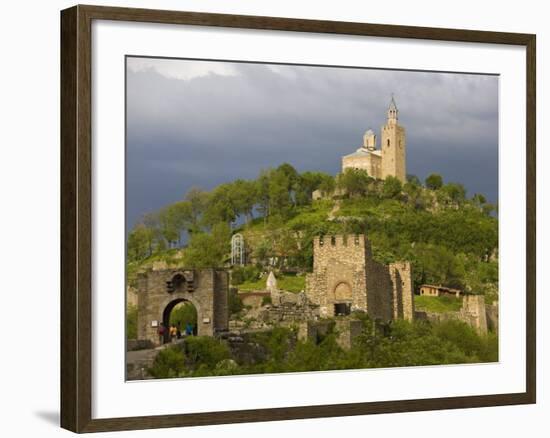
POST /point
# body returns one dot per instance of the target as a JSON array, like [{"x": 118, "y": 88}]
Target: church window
[
  {"x": 388, "y": 142},
  {"x": 333, "y": 240}
]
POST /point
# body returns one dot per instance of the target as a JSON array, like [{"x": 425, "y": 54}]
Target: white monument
[{"x": 271, "y": 283}]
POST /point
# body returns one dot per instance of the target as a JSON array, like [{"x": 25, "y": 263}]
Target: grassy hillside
[
  {"x": 289, "y": 283},
  {"x": 450, "y": 239},
  {"x": 437, "y": 304}
]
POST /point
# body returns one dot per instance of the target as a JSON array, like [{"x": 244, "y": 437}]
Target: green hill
[{"x": 449, "y": 238}]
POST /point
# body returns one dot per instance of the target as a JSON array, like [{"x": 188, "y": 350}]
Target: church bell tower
[{"x": 393, "y": 145}]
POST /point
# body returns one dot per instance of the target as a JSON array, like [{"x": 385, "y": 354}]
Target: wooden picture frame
[{"x": 76, "y": 217}]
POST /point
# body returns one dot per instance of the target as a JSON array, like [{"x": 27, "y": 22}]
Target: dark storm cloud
[{"x": 206, "y": 128}]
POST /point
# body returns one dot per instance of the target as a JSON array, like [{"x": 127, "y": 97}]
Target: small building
[{"x": 431, "y": 290}]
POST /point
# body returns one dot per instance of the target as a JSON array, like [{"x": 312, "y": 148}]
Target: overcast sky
[{"x": 201, "y": 123}]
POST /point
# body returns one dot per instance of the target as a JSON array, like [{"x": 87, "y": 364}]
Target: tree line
[{"x": 282, "y": 198}]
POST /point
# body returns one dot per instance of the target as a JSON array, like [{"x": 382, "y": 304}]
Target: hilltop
[{"x": 449, "y": 238}]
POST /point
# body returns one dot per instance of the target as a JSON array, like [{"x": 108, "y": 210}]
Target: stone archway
[
  {"x": 342, "y": 298},
  {"x": 159, "y": 291},
  {"x": 167, "y": 313},
  {"x": 342, "y": 291}
]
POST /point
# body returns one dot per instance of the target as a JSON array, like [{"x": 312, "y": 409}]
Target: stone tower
[
  {"x": 346, "y": 278},
  {"x": 393, "y": 146}
]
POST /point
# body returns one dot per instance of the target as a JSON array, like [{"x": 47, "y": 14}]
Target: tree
[
  {"x": 354, "y": 182},
  {"x": 208, "y": 250},
  {"x": 291, "y": 176},
  {"x": 414, "y": 194},
  {"x": 308, "y": 182},
  {"x": 327, "y": 185},
  {"x": 262, "y": 192},
  {"x": 157, "y": 241},
  {"x": 453, "y": 194},
  {"x": 479, "y": 199},
  {"x": 243, "y": 196},
  {"x": 414, "y": 180},
  {"x": 221, "y": 206},
  {"x": 262, "y": 251},
  {"x": 434, "y": 181},
  {"x": 280, "y": 199},
  {"x": 173, "y": 219},
  {"x": 198, "y": 200},
  {"x": 140, "y": 243},
  {"x": 392, "y": 187}
]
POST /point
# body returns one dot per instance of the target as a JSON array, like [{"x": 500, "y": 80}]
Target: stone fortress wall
[
  {"x": 345, "y": 274},
  {"x": 159, "y": 291},
  {"x": 474, "y": 312}
]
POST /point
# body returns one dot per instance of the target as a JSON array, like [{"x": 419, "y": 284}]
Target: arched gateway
[{"x": 160, "y": 291}]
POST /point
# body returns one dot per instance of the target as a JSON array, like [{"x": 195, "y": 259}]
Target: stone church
[
  {"x": 346, "y": 278},
  {"x": 390, "y": 159}
]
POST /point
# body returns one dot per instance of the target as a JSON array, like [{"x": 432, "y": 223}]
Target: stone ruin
[
  {"x": 474, "y": 312},
  {"x": 346, "y": 278}
]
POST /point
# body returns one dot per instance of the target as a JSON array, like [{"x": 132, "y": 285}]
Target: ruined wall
[
  {"x": 492, "y": 316},
  {"x": 221, "y": 300},
  {"x": 379, "y": 291},
  {"x": 474, "y": 312},
  {"x": 253, "y": 299},
  {"x": 402, "y": 288},
  {"x": 131, "y": 296},
  {"x": 346, "y": 330}
]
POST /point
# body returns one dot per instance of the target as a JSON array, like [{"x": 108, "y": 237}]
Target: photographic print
[{"x": 302, "y": 218}]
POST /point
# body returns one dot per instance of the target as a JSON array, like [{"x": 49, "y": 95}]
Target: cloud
[
  {"x": 202, "y": 123},
  {"x": 172, "y": 69}
]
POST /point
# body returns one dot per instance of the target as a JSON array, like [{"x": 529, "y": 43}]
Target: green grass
[
  {"x": 437, "y": 304},
  {"x": 289, "y": 283},
  {"x": 170, "y": 256}
]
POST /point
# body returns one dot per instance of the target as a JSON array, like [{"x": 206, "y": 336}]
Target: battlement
[
  {"x": 401, "y": 266},
  {"x": 352, "y": 249},
  {"x": 336, "y": 241},
  {"x": 346, "y": 278}
]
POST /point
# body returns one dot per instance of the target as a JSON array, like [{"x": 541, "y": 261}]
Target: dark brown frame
[{"x": 76, "y": 173}]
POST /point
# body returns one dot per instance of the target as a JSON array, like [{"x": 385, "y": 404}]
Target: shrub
[
  {"x": 392, "y": 187},
  {"x": 203, "y": 350},
  {"x": 434, "y": 181},
  {"x": 240, "y": 274},
  {"x": 235, "y": 304},
  {"x": 169, "y": 362},
  {"x": 131, "y": 322}
]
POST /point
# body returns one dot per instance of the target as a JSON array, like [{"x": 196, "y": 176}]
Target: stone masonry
[
  {"x": 390, "y": 159},
  {"x": 345, "y": 278},
  {"x": 474, "y": 312},
  {"x": 160, "y": 291}
]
